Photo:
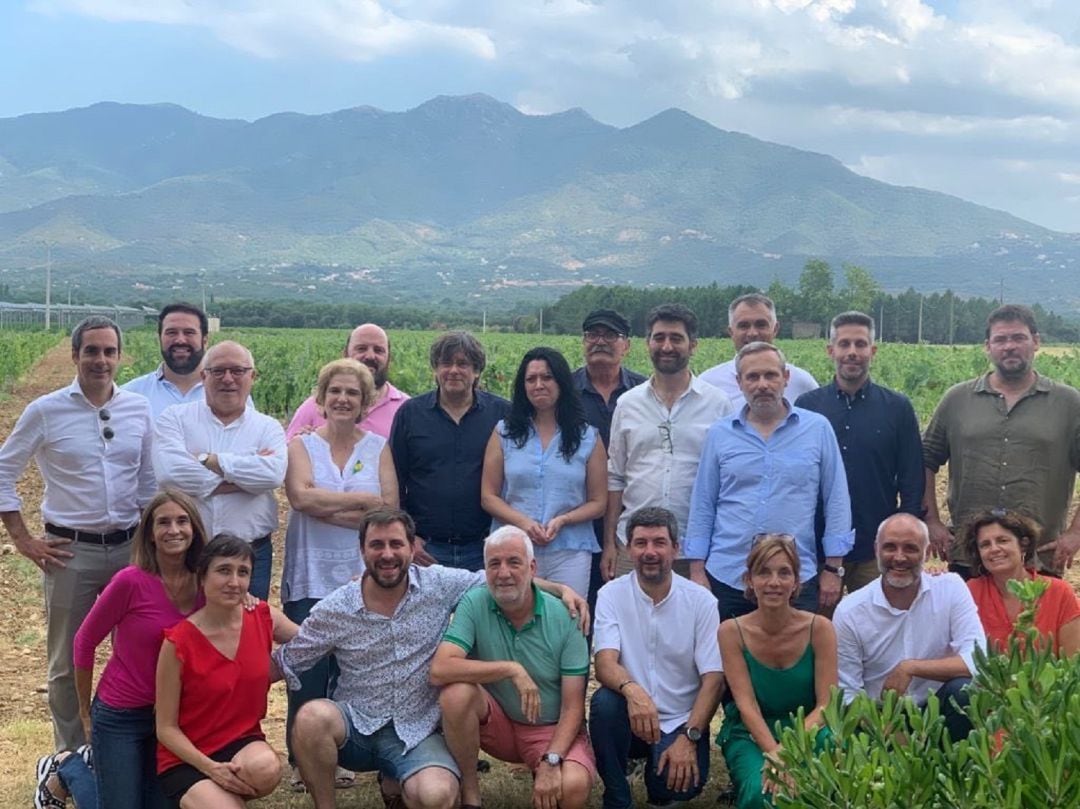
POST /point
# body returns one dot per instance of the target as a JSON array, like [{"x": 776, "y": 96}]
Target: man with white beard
[{"x": 909, "y": 631}]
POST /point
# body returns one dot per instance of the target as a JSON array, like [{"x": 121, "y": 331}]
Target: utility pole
[
  {"x": 918, "y": 338},
  {"x": 541, "y": 319},
  {"x": 952, "y": 322},
  {"x": 881, "y": 321},
  {"x": 48, "y": 286}
]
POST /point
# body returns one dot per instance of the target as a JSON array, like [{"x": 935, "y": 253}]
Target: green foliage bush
[{"x": 1024, "y": 750}]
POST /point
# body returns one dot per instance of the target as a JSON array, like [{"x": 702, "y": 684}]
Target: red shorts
[{"x": 514, "y": 742}]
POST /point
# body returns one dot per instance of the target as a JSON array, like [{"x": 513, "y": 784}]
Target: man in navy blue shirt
[
  {"x": 601, "y": 381},
  {"x": 438, "y": 442},
  {"x": 879, "y": 441}
]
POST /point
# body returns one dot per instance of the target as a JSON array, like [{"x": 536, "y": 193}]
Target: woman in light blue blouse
[{"x": 545, "y": 470}]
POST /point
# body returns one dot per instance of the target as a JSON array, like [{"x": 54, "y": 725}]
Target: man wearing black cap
[{"x": 601, "y": 381}]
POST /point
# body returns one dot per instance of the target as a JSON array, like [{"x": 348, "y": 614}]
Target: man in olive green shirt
[
  {"x": 513, "y": 668},
  {"x": 1012, "y": 440}
]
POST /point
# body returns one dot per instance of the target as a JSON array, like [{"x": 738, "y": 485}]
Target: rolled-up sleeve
[
  {"x": 173, "y": 464},
  {"x": 25, "y": 438},
  {"x": 316, "y": 639},
  {"x": 255, "y": 472},
  {"x": 966, "y": 630}
]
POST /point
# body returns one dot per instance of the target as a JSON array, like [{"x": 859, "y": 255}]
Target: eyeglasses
[
  {"x": 236, "y": 373},
  {"x": 605, "y": 336},
  {"x": 667, "y": 444},
  {"x": 108, "y": 433}
]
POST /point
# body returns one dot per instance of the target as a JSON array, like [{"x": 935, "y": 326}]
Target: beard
[
  {"x": 378, "y": 374},
  {"x": 182, "y": 366},
  {"x": 379, "y": 576}
]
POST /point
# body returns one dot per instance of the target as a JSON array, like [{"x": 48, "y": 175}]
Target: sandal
[
  {"x": 344, "y": 779},
  {"x": 389, "y": 801},
  {"x": 296, "y": 783},
  {"x": 43, "y": 796}
]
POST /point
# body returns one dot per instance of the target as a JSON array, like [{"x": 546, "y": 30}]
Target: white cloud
[{"x": 350, "y": 30}]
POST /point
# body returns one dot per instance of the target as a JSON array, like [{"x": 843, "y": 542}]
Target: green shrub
[{"x": 1023, "y": 752}]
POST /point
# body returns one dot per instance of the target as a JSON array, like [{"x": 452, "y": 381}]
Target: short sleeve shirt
[{"x": 550, "y": 646}]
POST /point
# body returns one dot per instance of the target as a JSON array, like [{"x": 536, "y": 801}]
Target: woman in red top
[
  {"x": 212, "y": 677},
  {"x": 1001, "y": 545}
]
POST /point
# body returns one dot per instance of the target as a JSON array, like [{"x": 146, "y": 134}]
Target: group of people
[{"x": 742, "y": 536}]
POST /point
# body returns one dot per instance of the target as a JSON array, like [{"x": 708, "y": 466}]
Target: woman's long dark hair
[{"x": 569, "y": 412}]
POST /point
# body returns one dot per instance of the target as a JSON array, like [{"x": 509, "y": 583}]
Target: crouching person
[
  {"x": 659, "y": 669},
  {"x": 513, "y": 666}
]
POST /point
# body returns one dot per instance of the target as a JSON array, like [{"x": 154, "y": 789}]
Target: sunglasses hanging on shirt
[{"x": 108, "y": 432}]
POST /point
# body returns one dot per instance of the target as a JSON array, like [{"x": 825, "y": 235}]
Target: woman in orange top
[{"x": 1001, "y": 545}]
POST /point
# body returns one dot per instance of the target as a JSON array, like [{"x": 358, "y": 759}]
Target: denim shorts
[{"x": 384, "y": 752}]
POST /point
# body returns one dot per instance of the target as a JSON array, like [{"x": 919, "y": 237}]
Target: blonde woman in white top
[{"x": 336, "y": 474}]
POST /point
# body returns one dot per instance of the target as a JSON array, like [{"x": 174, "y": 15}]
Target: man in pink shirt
[{"x": 367, "y": 344}]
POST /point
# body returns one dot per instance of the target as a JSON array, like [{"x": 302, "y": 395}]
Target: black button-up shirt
[
  {"x": 598, "y": 412},
  {"x": 879, "y": 440},
  {"x": 440, "y": 462}
]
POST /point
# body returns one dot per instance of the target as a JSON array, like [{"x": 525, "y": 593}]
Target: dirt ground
[{"x": 25, "y": 731}]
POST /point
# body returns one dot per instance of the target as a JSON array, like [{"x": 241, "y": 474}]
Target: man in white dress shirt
[
  {"x": 909, "y": 631},
  {"x": 657, "y": 433},
  {"x": 752, "y": 319},
  {"x": 659, "y": 669},
  {"x": 91, "y": 442},
  {"x": 227, "y": 456},
  {"x": 183, "y": 332}
]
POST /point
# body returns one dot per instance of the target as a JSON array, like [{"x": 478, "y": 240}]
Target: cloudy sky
[{"x": 978, "y": 98}]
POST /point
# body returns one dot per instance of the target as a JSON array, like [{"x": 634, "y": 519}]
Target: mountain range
[{"x": 467, "y": 200}]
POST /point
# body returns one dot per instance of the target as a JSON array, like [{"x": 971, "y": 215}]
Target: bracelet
[{"x": 623, "y": 684}]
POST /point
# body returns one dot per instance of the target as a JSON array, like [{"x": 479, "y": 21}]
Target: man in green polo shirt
[{"x": 513, "y": 669}]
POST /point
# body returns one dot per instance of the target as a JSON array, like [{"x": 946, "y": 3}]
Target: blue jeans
[
  {"x": 615, "y": 744},
  {"x": 316, "y": 682},
  {"x": 125, "y": 756},
  {"x": 733, "y": 603},
  {"x": 464, "y": 555},
  {"x": 260, "y": 570},
  {"x": 384, "y": 752},
  {"x": 78, "y": 780},
  {"x": 953, "y": 698}
]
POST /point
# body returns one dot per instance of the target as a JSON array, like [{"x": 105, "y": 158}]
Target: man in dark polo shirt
[
  {"x": 438, "y": 442},
  {"x": 601, "y": 381},
  {"x": 1011, "y": 438},
  {"x": 879, "y": 441}
]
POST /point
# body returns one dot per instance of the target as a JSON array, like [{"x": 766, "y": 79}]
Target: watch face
[
  {"x": 554, "y": 759},
  {"x": 693, "y": 734}
]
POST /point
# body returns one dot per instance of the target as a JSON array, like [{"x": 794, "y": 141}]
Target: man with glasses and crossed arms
[
  {"x": 91, "y": 441},
  {"x": 657, "y": 433},
  {"x": 227, "y": 456}
]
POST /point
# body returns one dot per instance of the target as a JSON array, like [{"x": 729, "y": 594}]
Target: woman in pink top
[{"x": 156, "y": 591}]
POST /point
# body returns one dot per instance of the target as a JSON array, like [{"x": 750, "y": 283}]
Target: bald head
[
  {"x": 904, "y": 524},
  {"x": 370, "y": 345},
  {"x": 232, "y": 348}
]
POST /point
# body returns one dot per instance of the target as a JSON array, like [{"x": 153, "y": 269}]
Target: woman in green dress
[{"x": 777, "y": 659}]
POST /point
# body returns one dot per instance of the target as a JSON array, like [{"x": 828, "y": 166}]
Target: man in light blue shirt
[
  {"x": 762, "y": 471},
  {"x": 183, "y": 332}
]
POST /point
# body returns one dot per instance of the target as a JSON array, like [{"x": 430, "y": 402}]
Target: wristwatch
[
  {"x": 203, "y": 457},
  {"x": 552, "y": 758},
  {"x": 839, "y": 571},
  {"x": 693, "y": 734}
]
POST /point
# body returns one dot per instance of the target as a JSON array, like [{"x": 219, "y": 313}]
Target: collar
[
  {"x": 477, "y": 400},
  {"x": 878, "y": 599},
  {"x": 538, "y": 608},
  {"x": 861, "y": 393},
  {"x": 392, "y": 393},
  {"x": 1042, "y": 384},
  {"x": 581, "y": 377},
  {"x": 741, "y": 417},
  {"x": 635, "y": 586},
  {"x": 413, "y": 586},
  {"x": 75, "y": 389}
]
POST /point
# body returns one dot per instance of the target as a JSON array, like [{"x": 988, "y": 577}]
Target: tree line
[{"x": 906, "y": 317}]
